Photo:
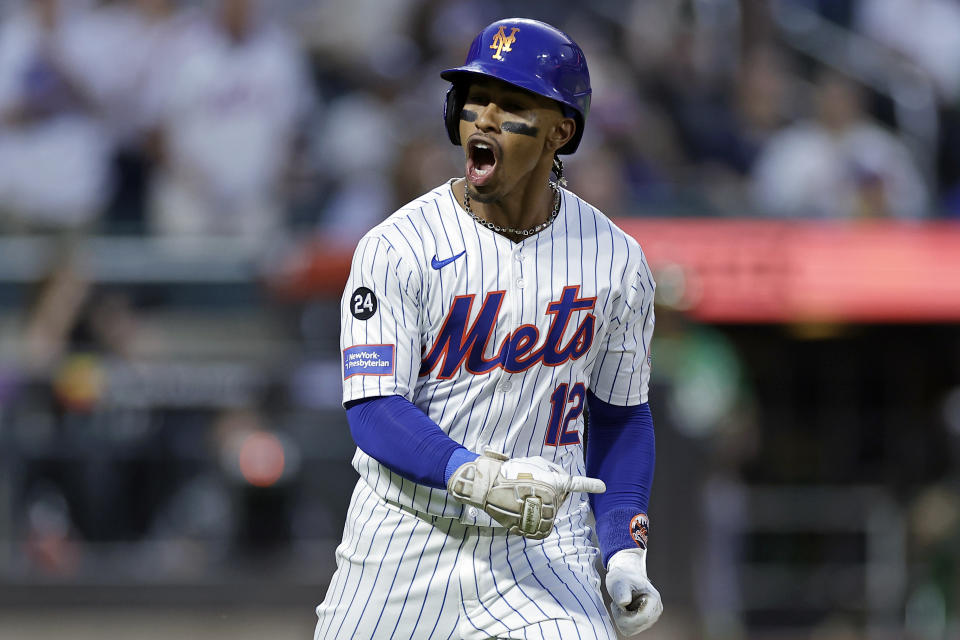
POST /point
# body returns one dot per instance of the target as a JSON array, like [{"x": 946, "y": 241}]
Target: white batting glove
[
  {"x": 636, "y": 603},
  {"x": 522, "y": 494},
  {"x": 543, "y": 470}
]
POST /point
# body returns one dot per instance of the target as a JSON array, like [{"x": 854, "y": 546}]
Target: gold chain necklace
[{"x": 517, "y": 232}]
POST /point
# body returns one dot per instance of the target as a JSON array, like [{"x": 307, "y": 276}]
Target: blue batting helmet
[{"x": 528, "y": 54}]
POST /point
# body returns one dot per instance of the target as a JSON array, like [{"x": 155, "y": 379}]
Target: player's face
[{"x": 506, "y": 132}]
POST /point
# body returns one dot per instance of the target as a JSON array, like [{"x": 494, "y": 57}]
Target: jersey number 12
[{"x": 561, "y": 417}]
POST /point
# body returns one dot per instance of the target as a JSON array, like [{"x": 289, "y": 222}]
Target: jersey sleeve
[
  {"x": 621, "y": 373},
  {"x": 379, "y": 322}
]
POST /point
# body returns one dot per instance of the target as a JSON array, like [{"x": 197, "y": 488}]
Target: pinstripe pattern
[
  {"x": 417, "y": 576},
  {"x": 402, "y": 575}
]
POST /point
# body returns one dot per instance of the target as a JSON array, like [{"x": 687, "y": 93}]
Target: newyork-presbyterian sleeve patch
[{"x": 368, "y": 360}]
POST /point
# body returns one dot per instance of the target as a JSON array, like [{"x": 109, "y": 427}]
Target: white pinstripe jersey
[{"x": 496, "y": 341}]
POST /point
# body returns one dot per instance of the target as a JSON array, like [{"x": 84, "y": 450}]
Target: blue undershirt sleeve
[
  {"x": 396, "y": 433},
  {"x": 621, "y": 451}
]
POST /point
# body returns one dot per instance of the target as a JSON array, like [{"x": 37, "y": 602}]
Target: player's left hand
[{"x": 636, "y": 603}]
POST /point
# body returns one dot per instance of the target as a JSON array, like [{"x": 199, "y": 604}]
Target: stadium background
[{"x": 173, "y": 458}]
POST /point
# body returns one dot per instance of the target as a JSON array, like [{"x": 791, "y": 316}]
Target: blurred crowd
[
  {"x": 280, "y": 120},
  {"x": 250, "y": 118}
]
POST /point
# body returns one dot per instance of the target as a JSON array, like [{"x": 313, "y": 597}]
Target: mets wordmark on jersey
[{"x": 496, "y": 341}]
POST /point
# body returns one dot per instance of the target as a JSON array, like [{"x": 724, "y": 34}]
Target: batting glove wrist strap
[
  {"x": 635, "y": 603},
  {"x": 458, "y": 458},
  {"x": 522, "y": 494}
]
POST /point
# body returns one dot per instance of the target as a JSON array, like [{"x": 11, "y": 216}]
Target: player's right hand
[{"x": 522, "y": 494}]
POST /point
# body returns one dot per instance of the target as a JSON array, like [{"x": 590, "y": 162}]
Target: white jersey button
[
  {"x": 472, "y": 511},
  {"x": 505, "y": 386},
  {"x": 521, "y": 283}
]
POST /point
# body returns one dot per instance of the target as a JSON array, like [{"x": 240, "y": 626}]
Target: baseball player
[{"x": 481, "y": 324}]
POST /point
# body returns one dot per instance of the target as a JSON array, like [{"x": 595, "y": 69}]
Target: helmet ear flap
[{"x": 451, "y": 112}]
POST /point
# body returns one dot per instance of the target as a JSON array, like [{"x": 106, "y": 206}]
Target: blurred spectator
[
  {"x": 838, "y": 165},
  {"x": 695, "y": 39},
  {"x": 372, "y": 36},
  {"x": 762, "y": 102},
  {"x": 228, "y": 98},
  {"x": 931, "y": 41},
  {"x": 424, "y": 157},
  {"x": 927, "y": 33},
  {"x": 54, "y": 154},
  {"x": 599, "y": 174},
  {"x": 358, "y": 142},
  {"x": 630, "y": 151},
  {"x": 128, "y": 37}
]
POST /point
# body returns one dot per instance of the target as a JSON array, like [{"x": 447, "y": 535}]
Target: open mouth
[{"x": 481, "y": 161}]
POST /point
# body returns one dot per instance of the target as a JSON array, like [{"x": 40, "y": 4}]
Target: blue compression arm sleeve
[
  {"x": 621, "y": 451},
  {"x": 396, "y": 433}
]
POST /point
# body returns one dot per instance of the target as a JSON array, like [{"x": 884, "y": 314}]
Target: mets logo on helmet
[{"x": 502, "y": 41}]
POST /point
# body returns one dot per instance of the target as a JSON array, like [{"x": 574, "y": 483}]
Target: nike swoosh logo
[{"x": 440, "y": 264}]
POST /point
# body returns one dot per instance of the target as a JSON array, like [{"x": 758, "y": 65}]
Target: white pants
[{"x": 411, "y": 576}]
